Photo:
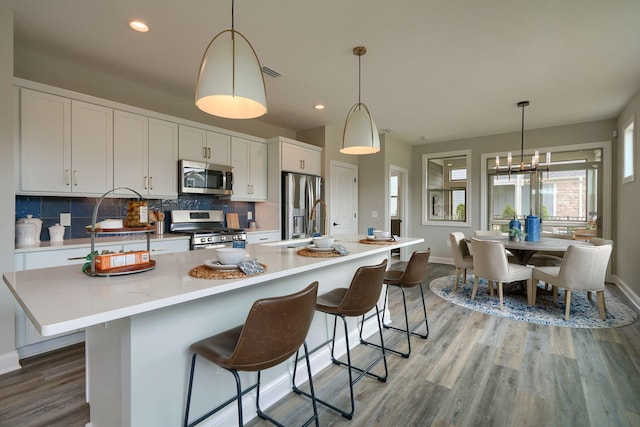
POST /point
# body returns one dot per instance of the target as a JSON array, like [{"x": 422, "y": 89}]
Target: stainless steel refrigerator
[{"x": 300, "y": 193}]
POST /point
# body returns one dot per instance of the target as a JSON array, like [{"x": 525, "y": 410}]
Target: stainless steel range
[{"x": 206, "y": 228}]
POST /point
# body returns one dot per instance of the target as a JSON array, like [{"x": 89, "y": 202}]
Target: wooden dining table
[{"x": 523, "y": 250}]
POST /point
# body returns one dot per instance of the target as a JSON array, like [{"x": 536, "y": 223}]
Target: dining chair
[
  {"x": 274, "y": 330},
  {"x": 490, "y": 262},
  {"x": 583, "y": 268},
  {"x": 462, "y": 259},
  {"x": 484, "y": 233}
]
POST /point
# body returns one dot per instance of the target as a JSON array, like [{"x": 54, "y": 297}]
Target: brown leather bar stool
[
  {"x": 358, "y": 299},
  {"x": 411, "y": 276},
  {"x": 275, "y": 329}
]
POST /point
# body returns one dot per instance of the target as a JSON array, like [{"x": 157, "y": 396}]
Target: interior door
[{"x": 344, "y": 199}]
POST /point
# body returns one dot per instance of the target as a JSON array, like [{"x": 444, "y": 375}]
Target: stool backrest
[
  {"x": 416, "y": 268},
  {"x": 364, "y": 290},
  {"x": 275, "y": 329}
]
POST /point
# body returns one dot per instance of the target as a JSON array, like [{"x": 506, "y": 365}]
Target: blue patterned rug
[{"x": 584, "y": 312}]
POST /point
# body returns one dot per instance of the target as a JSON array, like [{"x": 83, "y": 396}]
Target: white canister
[
  {"x": 35, "y": 221},
  {"x": 25, "y": 234},
  {"x": 56, "y": 234}
]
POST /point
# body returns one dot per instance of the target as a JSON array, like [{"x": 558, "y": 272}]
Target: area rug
[{"x": 584, "y": 312}]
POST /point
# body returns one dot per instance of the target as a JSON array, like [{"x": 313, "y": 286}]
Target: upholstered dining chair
[
  {"x": 490, "y": 262},
  {"x": 462, "y": 259},
  {"x": 583, "y": 268},
  {"x": 484, "y": 233}
]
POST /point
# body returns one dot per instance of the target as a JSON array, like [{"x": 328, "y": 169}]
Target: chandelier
[{"x": 535, "y": 159}]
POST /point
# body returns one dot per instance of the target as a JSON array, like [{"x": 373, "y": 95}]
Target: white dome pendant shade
[
  {"x": 230, "y": 82},
  {"x": 360, "y": 135}
]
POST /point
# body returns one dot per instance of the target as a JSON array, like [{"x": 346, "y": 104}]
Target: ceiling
[{"x": 435, "y": 70}]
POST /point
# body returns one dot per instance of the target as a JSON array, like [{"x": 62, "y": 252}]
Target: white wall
[
  {"x": 626, "y": 205},
  {"x": 8, "y": 355}
]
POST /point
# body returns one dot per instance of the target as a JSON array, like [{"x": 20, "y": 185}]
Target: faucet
[{"x": 324, "y": 214}]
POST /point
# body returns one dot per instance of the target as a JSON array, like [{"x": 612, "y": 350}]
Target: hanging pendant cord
[
  {"x": 233, "y": 50},
  {"x": 359, "y": 77},
  {"x": 522, "y": 140}
]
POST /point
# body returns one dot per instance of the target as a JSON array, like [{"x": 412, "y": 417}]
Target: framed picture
[{"x": 436, "y": 199}]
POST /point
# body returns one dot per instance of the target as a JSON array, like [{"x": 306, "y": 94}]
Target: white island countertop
[{"x": 63, "y": 299}]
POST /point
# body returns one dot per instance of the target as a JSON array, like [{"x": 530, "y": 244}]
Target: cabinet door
[
  {"x": 192, "y": 144},
  {"x": 241, "y": 168},
  {"x": 130, "y": 136},
  {"x": 291, "y": 158},
  {"x": 218, "y": 149},
  {"x": 311, "y": 161},
  {"x": 45, "y": 142},
  {"x": 163, "y": 158},
  {"x": 92, "y": 148},
  {"x": 258, "y": 171}
]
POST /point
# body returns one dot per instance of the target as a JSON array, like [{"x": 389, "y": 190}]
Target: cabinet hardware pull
[
  {"x": 75, "y": 178},
  {"x": 67, "y": 177},
  {"x": 264, "y": 238},
  {"x": 76, "y": 258},
  {"x": 146, "y": 180},
  {"x": 158, "y": 249},
  {"x": 151, "y": 183},
  {"x": 209, "y": 153},
  {"x": 204, "y": 152},
  {"x": 303, "y": 165}
]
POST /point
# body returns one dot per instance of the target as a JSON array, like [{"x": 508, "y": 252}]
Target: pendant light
[
  {"x": 535, "y": 159},
  {"x": 230, "y": 82},
  {"x": 360, "y": 134}
]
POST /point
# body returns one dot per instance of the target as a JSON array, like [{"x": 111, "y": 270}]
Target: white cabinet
[
  {"x": 298, "y": 158},
  {"x": 66, "y": 146},
  {"x": 200, "y": 145},
  {"x": 263, "y": 236},
  {"x": 249, "y": 160},
  {"x": 145, "y": 154}
]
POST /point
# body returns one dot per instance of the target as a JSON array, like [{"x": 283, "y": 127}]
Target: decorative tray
[
  {"x": 204, "y": 272},
  {"x": 389, "y": 241},
  {"x": 306, "y": 252},
  {"x": 118, "y": 271}
]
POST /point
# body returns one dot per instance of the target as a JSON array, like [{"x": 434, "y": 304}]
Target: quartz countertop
[{"x": 63, "y": 299}]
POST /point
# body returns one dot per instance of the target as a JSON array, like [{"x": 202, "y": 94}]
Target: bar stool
[
  {"x": 274, "y": 330},
  {"x": 357, "y": 300},
  {"x": 411, "y": 276}
]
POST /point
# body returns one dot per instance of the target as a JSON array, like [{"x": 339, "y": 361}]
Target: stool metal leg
[
  {"x": 350, "y": 367},
  {"x": 408, "y": 330}
]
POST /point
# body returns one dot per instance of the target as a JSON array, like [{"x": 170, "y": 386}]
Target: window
[
  {"x": 446, "y": 193},
  {"x": 627, "y": 156},
  {"x": 394, "y": 211},
  {"x": 566, "y": 197}
]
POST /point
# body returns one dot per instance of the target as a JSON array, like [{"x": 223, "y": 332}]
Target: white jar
[
  {"x": 56, "y": 234},
  {"x": 35, "y": 221},
  {"x": 25, "y": 234}
]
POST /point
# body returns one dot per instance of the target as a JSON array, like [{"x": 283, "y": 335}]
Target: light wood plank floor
[{"x": 473, "y": 370}]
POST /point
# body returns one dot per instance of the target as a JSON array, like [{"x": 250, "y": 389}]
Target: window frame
[
  {"x": 628, "y": 150},
  {"x": 426, "y": 190}
]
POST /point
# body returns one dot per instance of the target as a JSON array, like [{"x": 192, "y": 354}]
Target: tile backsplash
[{"x": 48, "y": 209}]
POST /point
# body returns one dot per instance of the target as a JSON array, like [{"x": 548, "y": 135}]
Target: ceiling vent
[{"x": 271, "y": 72}]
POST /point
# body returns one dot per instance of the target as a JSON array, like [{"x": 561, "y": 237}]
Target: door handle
[{"x": 335, "y": 224}]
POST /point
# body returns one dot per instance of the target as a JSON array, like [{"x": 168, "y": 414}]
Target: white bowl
[
  {"x": 323, "y": 242},
  {"x": 230, "y": 256},
  {"x": 381, "y": 234}
]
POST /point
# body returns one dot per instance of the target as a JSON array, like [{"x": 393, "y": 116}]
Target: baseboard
[
  {"x": 50, "y": 344},
  {"x": 441, "y": 260},
  {"x": 633, "y": 297},
  {"x": 9, "y": 362}
]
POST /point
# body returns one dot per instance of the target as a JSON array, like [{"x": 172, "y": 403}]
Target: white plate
[
  {"x": 314, "y": 248},
  {"x": 215, "y": 264},
  {"x": 379, "y": 238}
]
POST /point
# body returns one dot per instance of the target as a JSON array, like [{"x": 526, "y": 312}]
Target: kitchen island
[{"x": 139, "y": 326}]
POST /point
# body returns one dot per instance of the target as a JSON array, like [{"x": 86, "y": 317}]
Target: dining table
[{"x": 523, "y": 250}]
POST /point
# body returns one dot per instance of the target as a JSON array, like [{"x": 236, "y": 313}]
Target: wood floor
[{"x": 473, "y": 370}]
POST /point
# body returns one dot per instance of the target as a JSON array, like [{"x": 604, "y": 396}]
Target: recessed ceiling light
[
  {"x": 139, "y": 26},
  {"x": 319, "y": 107}
]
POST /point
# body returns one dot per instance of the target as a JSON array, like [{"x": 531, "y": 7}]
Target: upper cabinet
[
  {"x": 145, "y": 154},
  {"x": 249, "y": 160},
  {"x": 66, "y": 145},
  {"x": 301, "y": 158},
  {"x": 200, "y": 145}
]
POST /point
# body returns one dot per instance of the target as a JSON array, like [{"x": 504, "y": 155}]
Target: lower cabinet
[{"x": 29, "y": 342}]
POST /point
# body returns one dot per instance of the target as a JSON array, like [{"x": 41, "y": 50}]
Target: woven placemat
[
  {"x": 204, "y": 272},
  {"x": 378, "y": 242},
  {"x": 307, "y": 252}
]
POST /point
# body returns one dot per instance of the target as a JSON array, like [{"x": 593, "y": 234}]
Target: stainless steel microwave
[{"x": 205, "y": 178}]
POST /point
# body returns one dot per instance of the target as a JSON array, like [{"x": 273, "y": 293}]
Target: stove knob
[
  {"x": 223, "y": 238},
  {"x": 209, "y": 239}
]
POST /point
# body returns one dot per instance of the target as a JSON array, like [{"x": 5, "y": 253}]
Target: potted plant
[{"x": 516, "y": 234}]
